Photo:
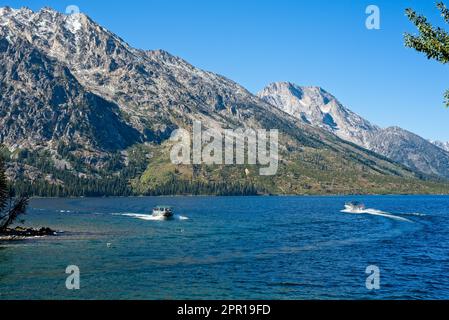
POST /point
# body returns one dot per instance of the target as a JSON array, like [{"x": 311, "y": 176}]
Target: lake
[{"x": 232, "y": 248}]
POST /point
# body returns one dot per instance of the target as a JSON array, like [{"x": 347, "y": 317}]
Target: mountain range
[
  {"x": 319, "y": 108},
  {"x": 84, "y": 113}
]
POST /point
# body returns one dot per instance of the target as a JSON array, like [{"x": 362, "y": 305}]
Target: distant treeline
[
  {"x": 180, "y": 187},
  {"x": 74, "y": 187},
  {"x": 120, "y": 187}
]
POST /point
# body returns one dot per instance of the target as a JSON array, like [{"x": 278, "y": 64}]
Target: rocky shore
[{"x": 20, "y": 233}]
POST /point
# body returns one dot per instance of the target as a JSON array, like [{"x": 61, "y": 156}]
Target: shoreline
[
  {"x": 255, "y": 196},
  {"x": 20, "y": 233}
]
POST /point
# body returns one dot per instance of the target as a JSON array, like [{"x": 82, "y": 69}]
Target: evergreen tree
[
  {"x": 10, "y": 208},
  {"x": 432, "y": 41}
]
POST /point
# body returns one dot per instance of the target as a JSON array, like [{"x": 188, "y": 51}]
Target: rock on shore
[{"x": 20, "y": 233}]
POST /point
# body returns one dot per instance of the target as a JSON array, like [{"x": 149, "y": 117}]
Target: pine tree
[
  {"x": 10, "y": 208},
  {"x": 432, "y": 41}
]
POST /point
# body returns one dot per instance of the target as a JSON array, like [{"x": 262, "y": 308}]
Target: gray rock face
[
  {"x": 316, "y": 106},
  {"x": 42, "y": 104},
  {"x": 411, "y": 150},
  {"x": 319, "y": 108}
]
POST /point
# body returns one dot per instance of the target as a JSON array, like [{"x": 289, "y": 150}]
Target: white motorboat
[
  {"x": 355, "y": 206},
  {"x": 165, "y": 212}
]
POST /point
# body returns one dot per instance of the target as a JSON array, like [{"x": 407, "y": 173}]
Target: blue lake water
[{"x": 232, "y": 248}]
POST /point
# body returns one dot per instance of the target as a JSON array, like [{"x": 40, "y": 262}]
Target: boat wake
[
  {"x": 375, "y": 212},
  {"x": 415, "y": 214},
  {"x": 149, "y": 217}
]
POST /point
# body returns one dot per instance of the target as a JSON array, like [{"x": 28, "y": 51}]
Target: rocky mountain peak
[
  {"x": 317, "y": 107},
  {"x": 321, "y": 109},
  {"x": 153, "y": 90}
]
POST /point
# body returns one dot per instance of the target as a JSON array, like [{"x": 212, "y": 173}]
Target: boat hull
[
  {"x": 354, "y": 208},
  {"x": 162, "y": 213}
]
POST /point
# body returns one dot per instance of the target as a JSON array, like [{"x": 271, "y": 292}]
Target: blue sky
[{"x": 314, "y": 42}]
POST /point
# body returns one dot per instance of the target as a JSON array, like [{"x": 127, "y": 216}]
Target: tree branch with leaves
[{"x": 432, "y": 41}]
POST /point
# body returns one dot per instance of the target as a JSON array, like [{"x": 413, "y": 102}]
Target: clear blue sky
[{"x": 313, "y": 42}]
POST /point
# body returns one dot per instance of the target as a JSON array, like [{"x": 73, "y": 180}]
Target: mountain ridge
[
  {"x": 315, "y": 105},
  {"x": 441, "y": 144},
  {"x": 321, "y": 109}
]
